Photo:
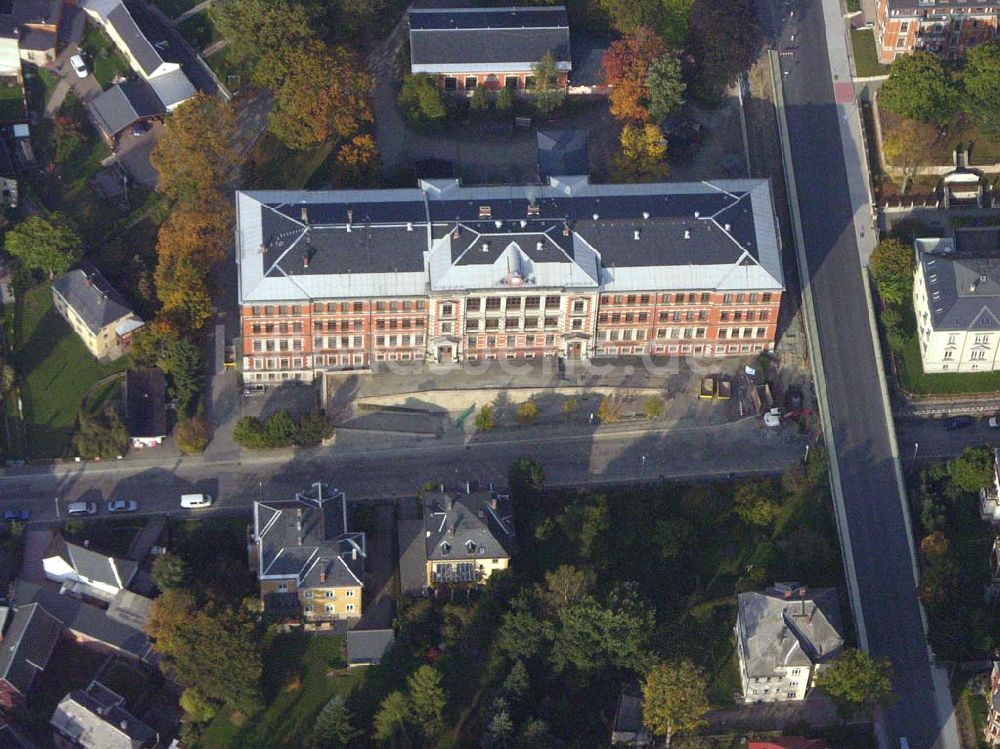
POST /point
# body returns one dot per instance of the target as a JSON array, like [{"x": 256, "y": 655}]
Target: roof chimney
[
  {"x": 468, "y": 487},
  {"x": 304, "y": 213},
  {"x": 539, "y": 246},
  {"x": 305, "y": 259},
  {"x": 498, "y": 223},
  {"x": 300, "y": 540},
  {"x": 493, "y": 501},
  {"x": 409, "y": 226},
  {"x": 350, "y": 216},
  {"x": 524, "y": 223},
  {"x": 565, "y": 230},
  {"x": 697, "y": 214},
  {"x": 456, "y": 233},
  {"x": 726, "y": 227},
  {"x": 89, "y": 281},
  {"x": 687, "y": 234},
  {"x": 596, "y": 216},
  {"x": 354, "y": 553},
  {"x": 635, "y": 235},
  {"x": 322, "y": 574},
  {"x": 486, "y": 246},
  {"x": 645, "y": 215}
]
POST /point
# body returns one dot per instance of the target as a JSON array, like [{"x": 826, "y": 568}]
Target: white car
[
  {"x": 123, "y": 505},
  {"x": 994, "y": 422},
  {"x": 79, "y": 66}
]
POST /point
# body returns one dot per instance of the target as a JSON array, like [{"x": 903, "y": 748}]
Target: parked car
[
  {"x": 21, "y": 514},
  {"x": 81, "y": 508},
  {"x": 123, "y": 505},
  {"x": 994, "y": 422},
  {"x": 79, "y": 66},
  {"x": 958, "y": 422},
  {"x": 141, "y": 128}
]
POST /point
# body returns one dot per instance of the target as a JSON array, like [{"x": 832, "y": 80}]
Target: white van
[{"x": 194, "y": 501}]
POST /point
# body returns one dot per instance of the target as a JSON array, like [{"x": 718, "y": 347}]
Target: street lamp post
[
  {"x": 916, "y": 446},
  {"x": 642, "y": 471},
  {"x": 56, "y": 500}
]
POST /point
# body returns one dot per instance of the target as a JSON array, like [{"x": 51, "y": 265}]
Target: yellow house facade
[{"x": 96, "y": 312}]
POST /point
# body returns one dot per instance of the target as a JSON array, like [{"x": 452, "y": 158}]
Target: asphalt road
[
  {"x": 876, "y": 523},
  {"x": 371, "y": 469}
]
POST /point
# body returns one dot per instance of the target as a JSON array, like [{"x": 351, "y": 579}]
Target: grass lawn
[
  {"x": 12, "y": 106},
  {"x": 174, "y": 8},
  {"x": 56, "y": 371},
  {"x": 103, "y": 58},
  {"x": 297, "y": 683},
  {"x": 224, "y": 65},
  {"x": 270, "y": 165},
  {"x": 940, "y": 149},
  {"x": 910, "y": 372},
  {"x": 199, "y": 30},
  {"x": 865, "y": 55}
]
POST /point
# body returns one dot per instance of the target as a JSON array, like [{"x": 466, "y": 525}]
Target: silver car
[{"x": 123, "y": 505}]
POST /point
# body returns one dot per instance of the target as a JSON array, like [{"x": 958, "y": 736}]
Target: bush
[
  {"x": 570, "y": 407},
  {"x": 170, "y": 571},
  {"x": 479, "y": 102},
  {"x": 421, "y": 101},
  {"x": 527, "y": 412},
  {"x": 193, "y": 435},
  {"x": 610, "y": 410},
  {"x": 654, "y": 407},
  {"x": 280, "y": 429},
  {"x": 101, "y": 435},
  {"x": 249, "y": 433},
  {"x": 485, "y": 419},
  {"x": 505, "y": 100},
  {"x": 313, "y": 429}
]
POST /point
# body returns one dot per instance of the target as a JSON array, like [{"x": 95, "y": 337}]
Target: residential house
[
  {"x": 989, "y": 496},
  {"x": 86, "y": 573},
  {"x": 365, "y": 647},
  {"x": 462, "y": 48},
  {"x": 28, "y": 33},
  {"x": 103, "y": 630},
  {"x": 25, "y": 652},
  {"x": 123, "y": 105},
  {"x": 336, "y": 280},
  {"x": 98, "y": 314},
  {"x": 309, "y": 563},
  {"x": 937, "y": 26},
  {"x": 467, "y": 536},
  {"x": 145, "y": 399},
  {"x": 96, "y": 718},
  {"x": 628, "y": 729},
  {"x": 956, "y": 298},
  {"x": 992, "y": 728},
  {"x": 784, "y": 637}
]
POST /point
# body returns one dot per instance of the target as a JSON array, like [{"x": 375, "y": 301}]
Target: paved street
[
  {"x": 359, "y": 465},
  {"x": 877, "y": 534}
]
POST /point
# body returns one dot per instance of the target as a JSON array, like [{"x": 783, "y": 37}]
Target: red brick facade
[
  {"x": 295, "y": 340},
  {"x": 942, "y": 29},
  {"x": 992, "y": 729},
  {"x": 521, "y": 81}
]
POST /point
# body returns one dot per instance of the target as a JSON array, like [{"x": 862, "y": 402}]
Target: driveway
[
  {"x": 133, "y": 154},
  {"x": 84, "y": 88}
]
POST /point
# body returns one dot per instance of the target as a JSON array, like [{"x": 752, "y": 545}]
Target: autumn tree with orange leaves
[{"x": 626, "y": 67}]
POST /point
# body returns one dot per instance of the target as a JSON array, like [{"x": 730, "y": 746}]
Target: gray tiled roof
[
  {"x": 412, "y": 556},
  {"x": 97, "y": 719},
  {"x": 297, "y": 245},
  {"x": 130, "y": 609},
  {"x": 143, "y": 52},
  {"x": 28, "y": 645},
  {"x": 93, "y": 565},
  {"x": 468, "y": 526},
  {"x": 90, "y": 295},
  {"x": 962, "y": 280},
  {"x": 367, "y": 646},
  {"x": 307, "y": 539},
  {"x": 83, "y": 619},
  {"x": 172, "y": 88},
  {"x": 441, "y": 38},
  {"x": 125, "y": 103},
  {"x": 788, "y": 625}
]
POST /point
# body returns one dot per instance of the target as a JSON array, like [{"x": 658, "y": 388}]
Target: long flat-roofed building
[{"x": 344, "y": 279}]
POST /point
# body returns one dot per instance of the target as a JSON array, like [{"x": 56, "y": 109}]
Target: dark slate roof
[
  {"x": 367, "y": 646},
  {"x": 91, "y": 564},
  {"x": 88, "y": 292},
  {"x": 146, "y": 402},
  {"x": 88, "y": 621},
  {"x": 307, "y": 538},
  {"x": 963, "y": 287},
  {"x": 468, "y": 526},
  {"x": 143, "y": 52},
  {"x": 38, "y": 40},
  {"x": 412, "y": 556},
  {"x": 28, "y": 645},
  {"x": 588, "y": 58},
  {"x": 562, "y": 152},
  {"x": 11, "y": 739},
  {"x": 125, "y": 103},
  {"x": 484, "y": 35},
  {"x": 44, "y": 12}
]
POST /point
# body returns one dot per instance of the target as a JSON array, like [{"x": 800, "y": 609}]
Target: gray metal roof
[
  {"x": 307, "y": 539},
  {"x": 138, "y": 45},
  {"x": 83, "y": 619},
  {"x": 91, "y": 564},
  {"x": 90, "y": 295},
  {"x": 562, "y": 152},
  {"x": 962, "y": 279},
  {"x": 468, "y": 526},
  {"x": 298, "y": 245},
  {"x": 97, "y": 719},
  {"x": 787, "y": 625},
  {"x": 28, "y": 645},
  {"x": 491, "y": 39},
  {"x": 131, "y": 609},
  {"x": 172, "y": 88},
  {"x": 146, "y": 402},
  {"x": 367, "y": 646},
  {"x": 125, "y": 103}
]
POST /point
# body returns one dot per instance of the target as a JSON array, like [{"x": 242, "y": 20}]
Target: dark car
[
  {"x": 21, "y": 514},
  {"x": 141, "y": 128},
  {"x": 958, "y": 422}
]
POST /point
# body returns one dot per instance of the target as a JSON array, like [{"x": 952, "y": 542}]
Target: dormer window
[
  {"x": 470, "y": 546},
  {"x": 485, "y": 211},
  {"x": 445, "y": 547}
]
